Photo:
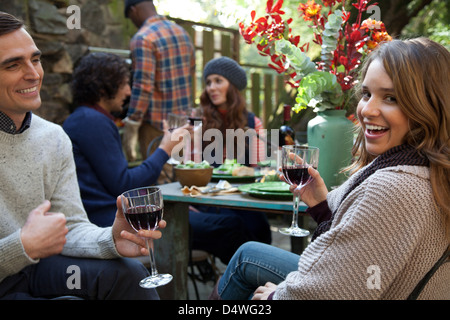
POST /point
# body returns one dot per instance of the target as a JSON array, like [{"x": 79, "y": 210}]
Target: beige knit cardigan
[{"x": 386, "y": 235}]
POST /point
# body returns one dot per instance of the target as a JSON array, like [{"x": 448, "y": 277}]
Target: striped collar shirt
[{"x": 163, "y": 65}]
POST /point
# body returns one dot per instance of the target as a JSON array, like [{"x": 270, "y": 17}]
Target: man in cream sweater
[{"x": 48, "y": 247}]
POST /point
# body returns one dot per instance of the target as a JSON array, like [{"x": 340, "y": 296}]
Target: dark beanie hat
[
  {"x": 228, "y": 68},
  {"x": 130, "y": 3}
]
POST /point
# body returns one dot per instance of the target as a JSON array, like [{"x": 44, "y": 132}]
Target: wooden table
[{"x": 172, "y": 249}]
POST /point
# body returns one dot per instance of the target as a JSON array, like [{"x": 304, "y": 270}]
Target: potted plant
[{"x": 326, "y": 84}]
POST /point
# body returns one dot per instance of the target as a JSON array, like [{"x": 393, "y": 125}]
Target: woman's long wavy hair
[
  {"x": 419, "y": 69},
  {"x": 236, "y": 117}
]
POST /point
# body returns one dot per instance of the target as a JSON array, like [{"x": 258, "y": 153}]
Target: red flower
[
  {"x": 378, "y": 37},
  {"x": 310, "y": 10},
  {"x": 353, "y": 40},
  {"x": 330, "y": 3},
  {"x": 270, "y": 8},
  {"x": 361, "y": 5},
  {"x": 370, "y": 24}
]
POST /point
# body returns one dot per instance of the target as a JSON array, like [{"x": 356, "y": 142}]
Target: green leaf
[
  {"x": 296, "y": 58},
  {"x": 330, "y": 36},
  {"x": 319, "y": 90}
]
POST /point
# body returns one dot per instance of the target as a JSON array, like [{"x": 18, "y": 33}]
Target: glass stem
[
  {"x": 294, "y": 223},
  {"x": 149, "y": 243}
]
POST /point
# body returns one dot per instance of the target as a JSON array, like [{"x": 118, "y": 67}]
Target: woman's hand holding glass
[{"x": 314, "y": 192}]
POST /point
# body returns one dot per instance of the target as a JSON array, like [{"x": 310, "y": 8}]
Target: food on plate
[
  {"x": 232, "y": 168},
  {"x": 269, "y": 175},
  {"x": 192, "y": 165},
  {"x": 243, "y": 171}
]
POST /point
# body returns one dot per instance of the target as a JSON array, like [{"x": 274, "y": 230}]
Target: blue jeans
[
  {"x": 222, "y": 232},
  {"x": 252, "y": 266}
]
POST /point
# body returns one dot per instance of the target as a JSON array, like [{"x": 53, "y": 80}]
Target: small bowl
[{"x": 193, "y": 177}]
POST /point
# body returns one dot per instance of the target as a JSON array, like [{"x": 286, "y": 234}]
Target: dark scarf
[{"x": 400, "y": 155}]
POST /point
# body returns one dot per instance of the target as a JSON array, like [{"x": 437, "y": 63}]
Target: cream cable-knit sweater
[
  {"x": 34, "y": 166},
  {"x": 386, "y": 235}
]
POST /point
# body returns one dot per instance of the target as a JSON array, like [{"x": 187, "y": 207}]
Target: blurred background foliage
[
  {"x": 432, "y": 22},
  {"x": 403, "y": 19}
]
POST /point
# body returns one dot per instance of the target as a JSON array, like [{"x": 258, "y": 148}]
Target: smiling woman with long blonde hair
[
  {"x": 423, "y": 96},
  {"x": 384, "y": 233}
]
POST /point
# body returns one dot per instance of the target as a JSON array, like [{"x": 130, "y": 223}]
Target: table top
[{"x": 172, "y": 193}]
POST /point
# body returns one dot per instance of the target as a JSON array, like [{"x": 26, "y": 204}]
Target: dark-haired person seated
[{"x": 100, "y": 85}]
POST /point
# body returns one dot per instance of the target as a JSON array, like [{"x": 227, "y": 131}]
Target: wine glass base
[
  {"x": 155, "y": 281},
  {"x": 295, "y": 232}
]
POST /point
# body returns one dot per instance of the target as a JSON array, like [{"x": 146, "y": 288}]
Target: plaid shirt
[{"x": 163, "y": 63}]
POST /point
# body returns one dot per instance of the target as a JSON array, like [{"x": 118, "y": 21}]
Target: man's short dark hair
[
  {"x": 9, "y": 23},
  {"x": 130, "y": 3}
]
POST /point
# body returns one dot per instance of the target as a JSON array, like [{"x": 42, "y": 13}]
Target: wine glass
[
  {"x": 195, "y": 116},
  {"x": 175, "y": 121},
  {"x": 295, "y": 161},
  {"x": 143, "y": 209}
]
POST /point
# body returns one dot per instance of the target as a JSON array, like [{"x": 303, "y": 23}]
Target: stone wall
[{"x": 64, "y": 36}]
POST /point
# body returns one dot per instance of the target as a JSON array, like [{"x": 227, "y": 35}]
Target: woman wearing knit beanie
[{"x": 224, "y": 108}]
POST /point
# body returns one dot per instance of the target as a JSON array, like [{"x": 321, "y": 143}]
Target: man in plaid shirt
[{"x": 163, "y": 65}]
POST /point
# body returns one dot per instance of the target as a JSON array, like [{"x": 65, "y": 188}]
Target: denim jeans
[
  {"x": 222, "y": 232},
  {"x": 252, "y": 266}
]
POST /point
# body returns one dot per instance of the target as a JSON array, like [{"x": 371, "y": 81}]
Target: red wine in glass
[
  {"x": 295, "y": 161},
  {"x": 144, "y": 217},
  {"x": 143, "y": 209},
  {"x": 298, "y": 175}
]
